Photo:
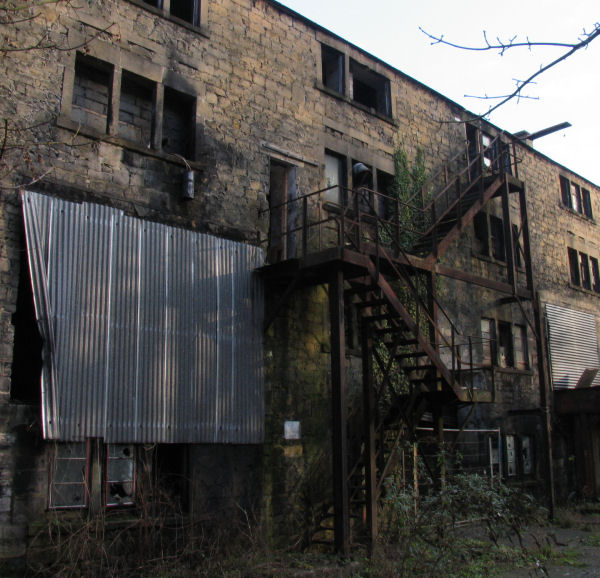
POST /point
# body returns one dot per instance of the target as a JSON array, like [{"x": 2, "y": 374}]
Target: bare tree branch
[{"x": 583, "y": 42}]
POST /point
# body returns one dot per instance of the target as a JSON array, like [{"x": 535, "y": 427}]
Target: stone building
[{"x": 214, "y": 284}]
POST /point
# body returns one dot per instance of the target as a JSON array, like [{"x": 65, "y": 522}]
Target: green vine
[{"x": 407, "y": 198}]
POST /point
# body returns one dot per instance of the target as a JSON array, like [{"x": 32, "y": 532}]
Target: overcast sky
[{"x": 389, "y": 29}]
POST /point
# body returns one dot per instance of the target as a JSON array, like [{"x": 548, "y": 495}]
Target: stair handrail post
[
  {"x": 304, "y": 226},
  {"x": 471, "y": 368},
  {"x": 357, "y": 194},
  {"x": 342, "y": 228}
]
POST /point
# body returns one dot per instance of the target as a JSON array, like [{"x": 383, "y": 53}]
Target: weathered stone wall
[{"x": 255, "y": 74}]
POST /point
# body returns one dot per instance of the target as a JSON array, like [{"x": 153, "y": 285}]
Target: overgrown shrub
[{"x": 421, "y": 531}]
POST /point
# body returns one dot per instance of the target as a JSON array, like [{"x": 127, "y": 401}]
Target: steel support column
[
  {"x": 370, "y": 419},
  {"x": 339, "y": 412}
]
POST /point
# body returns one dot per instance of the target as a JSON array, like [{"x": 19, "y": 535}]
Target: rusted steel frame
[
  {"x": 508, "y": 238},
  {"x": 370, "y": 419},
  {"x": 339, "y": 409}
]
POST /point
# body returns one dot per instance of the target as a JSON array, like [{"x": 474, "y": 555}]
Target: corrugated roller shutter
[
  {"x": 152, "y": 333},
  {"x": 573, "y": 344}
]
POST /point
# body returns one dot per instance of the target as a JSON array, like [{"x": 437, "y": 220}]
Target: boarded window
[
  {"x": 370, "y": 88},
  {"x": 136, "y": 109},
  {"x": 332, "y": 64},
  {"x": 172, "y": 351},
  {"x": 179, "y": 122},
  {"x": 68, "y": 475},
  {"x": 91, "y": 92}
]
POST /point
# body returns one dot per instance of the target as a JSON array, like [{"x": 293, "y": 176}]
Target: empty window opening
[
  {"x": 69, "y": 475},
  {"x": 284, "y": 211},
  {"x": 497, "y": 238},
  {"x": 171, "y": 472},
  {"x": 91, "y": 93},
  {"x": 120, "y": 474},
  {"x": 188, "y": 10},
  {"x": 179, "y": 121},
  {"x": 332, "y": 64},
  {"x": 27, "y": 351},
  {"x": 584, "y": 267},
  {"x": 136, "y": 108},
  {"x": 574, "y": 266},
  {"x": 575, "y": 197},
  {"x": 370, "y": 88},
  {"x": 480, "y": 225},
  {"x": 595, "y": 274},
  {"x": 505, "y": 345},
  {"x": 583, "y": 270},
  {"x": 155, "y": 3}
]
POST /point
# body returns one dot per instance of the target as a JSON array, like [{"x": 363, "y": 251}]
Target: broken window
[
  {"x": 519, "y": 455},
  {"x": 489, "y": 232},
  {"x": 91, "y": 92},
  {"x": 332, "y": 64},
  {"x": 188, "y": 10},
  {"x": 120, "y": 474},
  {"x": 505, "y": 345},
  {"x": 370, "y": 89},
  {"x": 69, "y": 475},
  {"x": 575, "y": 197},
  {"x": 179, "y": 121},
  {"x": 136, "y": 109},
  {"x": 583, "y": 270}
]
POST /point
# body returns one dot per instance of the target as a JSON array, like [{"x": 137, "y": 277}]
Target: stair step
[
  {"x": 373, "y": 303},
  {"x": 418, "y": 367},
  {"x": 410, "y": 355}
]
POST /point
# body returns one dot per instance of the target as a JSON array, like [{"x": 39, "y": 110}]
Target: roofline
[{"x": 311, "y": 24}]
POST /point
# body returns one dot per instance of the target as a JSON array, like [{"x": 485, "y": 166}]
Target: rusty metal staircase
[{"x": 414, "y": 357}]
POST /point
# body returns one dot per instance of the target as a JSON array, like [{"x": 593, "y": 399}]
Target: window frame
[
  {"x": 576, "y": 198},
  {"x": 163, "y": 8},
  {"x": 584, "y": 270},
  {"x": 498, "y": 335},
  {"x": 107, "y": 475},
  {"x": 53, "y": 475},
  {"x": 351, "y": 71},
  {"x": 112, "y": 133}
]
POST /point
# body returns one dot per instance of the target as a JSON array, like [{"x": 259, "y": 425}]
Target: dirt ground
[{"x": 575, "y": 544}]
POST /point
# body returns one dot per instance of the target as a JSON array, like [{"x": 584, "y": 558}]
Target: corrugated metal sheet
[
  {"x": 152, "y": 333},
  {"x": 573, "y": 344}
]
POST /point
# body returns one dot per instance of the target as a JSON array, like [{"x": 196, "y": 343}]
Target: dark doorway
[{"x": 283, "y": 206}]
